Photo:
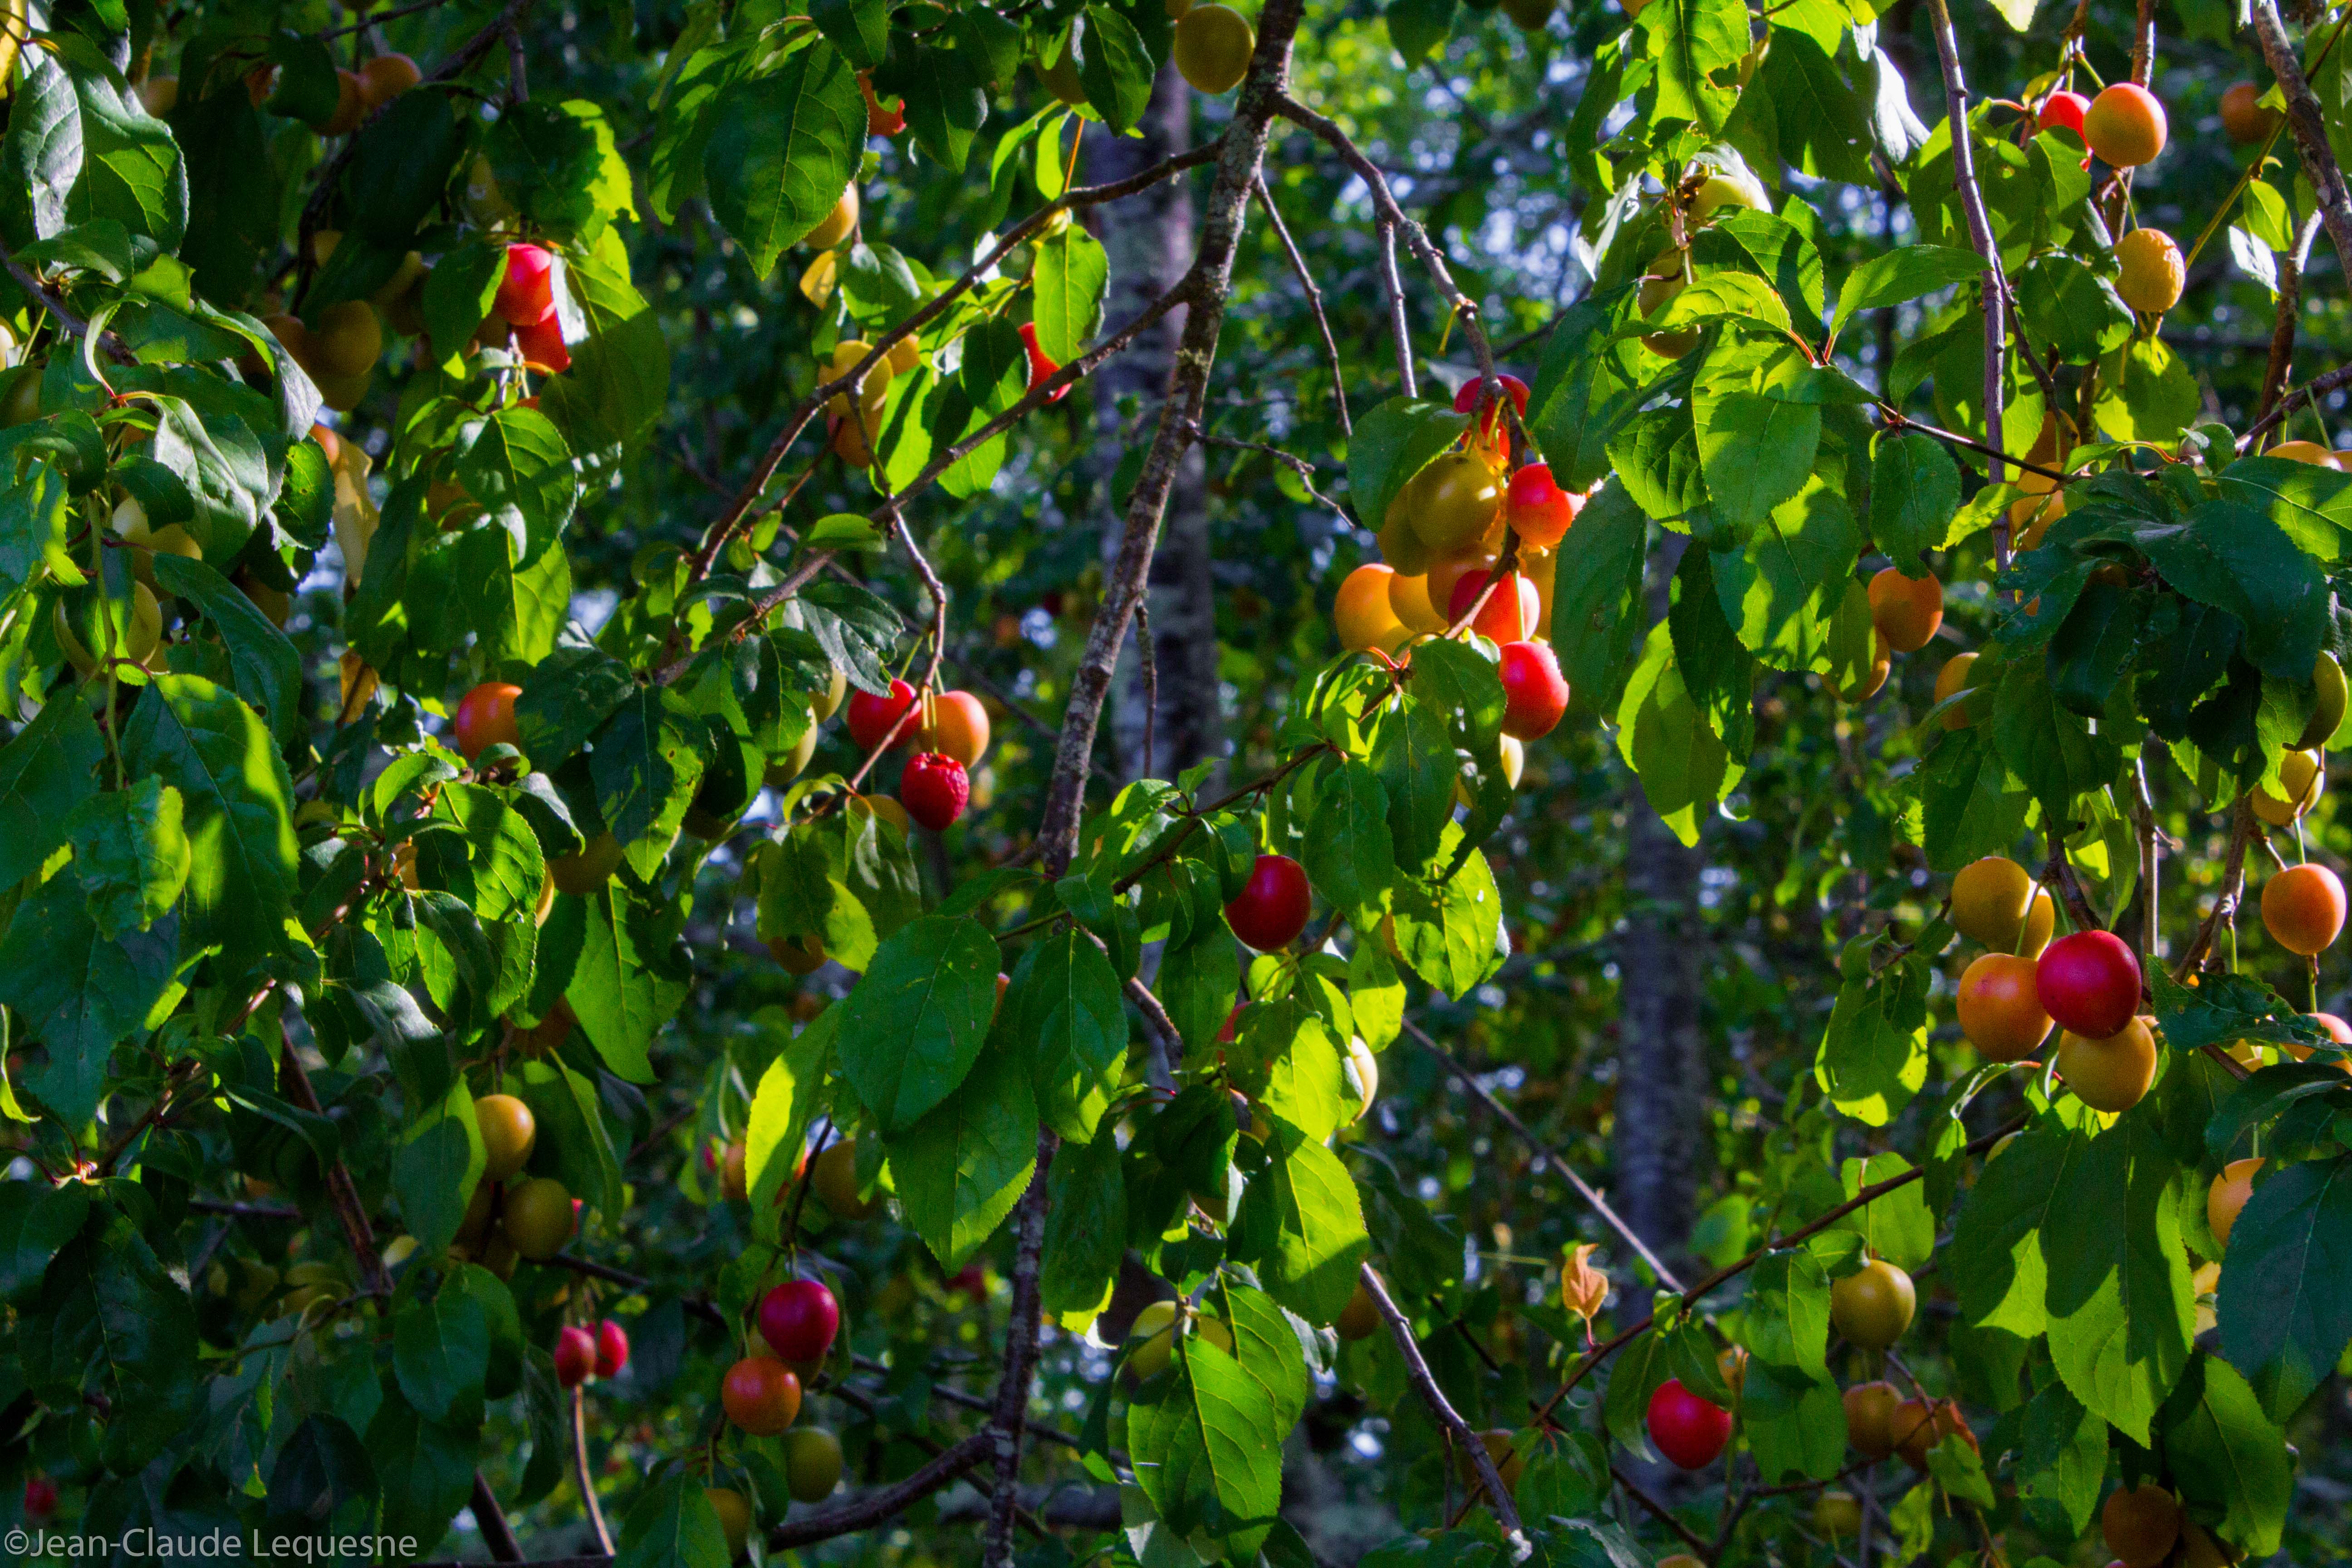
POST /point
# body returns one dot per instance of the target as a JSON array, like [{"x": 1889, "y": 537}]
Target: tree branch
[
  {"x": 1584, "y": 1189},
  {"x": 1698, "y": 1292},
  {"x": 2309, "y": 123},
  {"x": 2289, "y": 308},
  {"x": 1241, "y": 154},
  {"x": 2310, "y": 390},
  {"x": 1995, "y": 288},
  {"x": 1012, "y": 1412},
  {"x": 1498, "y": 1496},
  {"x": 869, "y": 1509}
]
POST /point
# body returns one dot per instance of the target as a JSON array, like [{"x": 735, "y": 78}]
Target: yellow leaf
[
  {"x": 1583, "y": 1287},
  {"x": 816, "y": 283}
]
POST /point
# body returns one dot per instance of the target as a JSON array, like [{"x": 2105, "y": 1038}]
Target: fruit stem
[{"x": 580, "y": 1474}]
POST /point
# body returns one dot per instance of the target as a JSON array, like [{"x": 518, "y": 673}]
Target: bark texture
[
  {"x": 1148, "y": 238},
  {"x": 1659, "y": 1145}
]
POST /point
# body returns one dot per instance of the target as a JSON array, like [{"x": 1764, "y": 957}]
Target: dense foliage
[{"x": 582, "y": 933}]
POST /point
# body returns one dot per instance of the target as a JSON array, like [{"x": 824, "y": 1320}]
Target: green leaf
[
  {"x": 782, "y": 149},
  {"x": 1305, "y": 1202},
  {"x": 1756, "y": 452},
  {"x": 573, "y": 1143},
  {"x": 265, "y": 666},
  {"x": 673, "y": 1525},
  {"x": 1689, "y": 42},
  {"x": 1393, "y": 442},
  {"x": 436, "y": 1166},
  {"x": 78, "y": 991},
  {"x": 1071, "y": 276},
  {"x": 1795, "y": 1423},
  {"x": 2286, "y": 1311},
  {"x": 860, "y": 29},
  {"x": 235, "y": 796},
  {"x": 1782, "y": 589},
  {"x": 458, "y": 293},
  {"x": 946, "y": 91},
  {"x": 1998, "y": 1245},
  {"x": 1896, "y": 1225},
  {"x": 400, "y": 166},
  {"x": 567, "y": 699},
  {"x": 1915, "y": 489},
  {"x": 1786, "y": 1319},
  {"x": 45, "y": 773},
  {"x": 441, "y": 1355},
  {"x": 1633, "y": 1376},
  {"x": 1348, "y": 853},
  {"x": 109, "y": 1321},
  {"x": 35, "y": 1220},
  {"x": 2312, "y": 504},
  {"x": 626, "y": 982},
  {"x": 1585, "y": 388},
  {"x": 516, "y": 465},
  {"x": 2064, "y": 1455},
  {"x": 1413, "y": 764},
  {"x": 1116, "y": 70},
  {"x": 1451, "y": 932},
  {"x": 2238, "y": 560},
  {"x": 1901, "y": 276},
  {"x": 961, "y": 1166},
  {"x": 1873, "y": 1055},
  {"x": 1597, "y": 608},
  {"x": 2225, "y": 1456},
  {"x": 790, "y": 1092},
  {"x": 1683, "y": 764},
  {"x": 559, "y": 164},
  {"x": 1824, "y": 130},
  {"x": 1304, "y": 1084},
  {"x": 1974, "y": 806},
  {"x": 2121, "y": 1307},
  {"x": 646, "y": 765},
  {"x": 1085, "y": 1228},
  {"x": 1066, "y": 1002},
  {"x": 132, "y": 173},
  {"x": 915, "y": 1023},
  {"x": 426, "y": 1469},
  {"x": 1206, "y": 1439},
  {"x": 1417, "y": 27},
  {"x": 2146, "y": 393}
]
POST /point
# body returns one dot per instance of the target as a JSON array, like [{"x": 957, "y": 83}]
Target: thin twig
[
  {"x": 1980, "y": 236},
  {"x": 1498, "y": 1496},
  {"x": 1314, "y": 300},
  {"x": 1584, "y": 1189},
  {"x": 580, "y": 1474},
  {"x": 1665, "y": 1515}
]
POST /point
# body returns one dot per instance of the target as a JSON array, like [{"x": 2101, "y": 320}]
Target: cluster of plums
[{"x": 1442, "y": 543}]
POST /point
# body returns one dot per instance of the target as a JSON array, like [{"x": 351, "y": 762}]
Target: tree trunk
[
  {"x": 1660, "y": 1143},
  {"x": 1169, "y": 721}
]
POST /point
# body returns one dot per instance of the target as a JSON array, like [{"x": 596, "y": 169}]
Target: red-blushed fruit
[
  {"x": 575, "y": 1356},
  {"x": 959, "y": 728},
  {"x": 1535, "y": 693},
  {"x": 2089, "y": 982},
  {"x": 1041, "y": 364},
  {"x": 871, "y": 717},
  {"x": 1687, "y": 1429},
  {"x": 1869, "y": 1417},
  {"x": 2125, "y": 125},
  {"x": 1919, "y": 1427},
  {"x": 542, "y": 344},
  {"x": 881, "y": 118},
  {"x": 612, "y": 1347},
  {"x": 40, "y": 1498},
  {"x": 761, "y": 1396},
  {"x": 2063, "y": 111},
  {"x": 934, "y": 789},
  {"x": 486, "y": 717},
  {"x": 2000, "y": 1007},
  {"x": 526, "y": 291},
  {"x": 1509, "y": 614},
  {"x": 799, "y": 1318},
  {"x": 1538, "y": 511},
  {"x": 2303, "y": 908},
  {"x": 1466, "y": 400},
  {"x": 2337, "y": 1030},
  {"x": 1272, "y": 908}
]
